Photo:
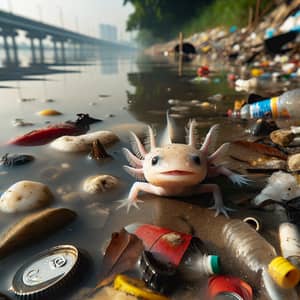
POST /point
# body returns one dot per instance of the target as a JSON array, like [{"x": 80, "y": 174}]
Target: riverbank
[{"x": 242, "y": 43}]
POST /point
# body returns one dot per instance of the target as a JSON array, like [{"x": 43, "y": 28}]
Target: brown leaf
[
  {"x": 121, "y": 255},
  {"x": 261, "y": 148}
]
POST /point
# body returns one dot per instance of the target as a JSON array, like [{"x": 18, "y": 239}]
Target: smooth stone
[
  {"x": 34, "y": 227},
  {"x": 294, "y": 162},
  {"x": 99, "y": 183},
  {"x": 82, "y": 143},
  {"x": 282, "y": 137},
  {"x": 25, "y": 195}
]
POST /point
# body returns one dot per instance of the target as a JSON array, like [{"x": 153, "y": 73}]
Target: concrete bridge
[{"x": 35, "y": 30}]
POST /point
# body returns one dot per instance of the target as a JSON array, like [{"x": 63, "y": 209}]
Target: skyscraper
[{"x": 108, "y": 32}]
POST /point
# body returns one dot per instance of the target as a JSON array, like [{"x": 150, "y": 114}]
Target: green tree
[{"x": 162, "y": 19}]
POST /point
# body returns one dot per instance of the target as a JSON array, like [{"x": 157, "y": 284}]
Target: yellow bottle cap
[
  {"x": 49, "y": 112},
  {"x": 136, "y": 288},
  {"x": 256, "y": 72},
  {"x": 283, "y": 272}
]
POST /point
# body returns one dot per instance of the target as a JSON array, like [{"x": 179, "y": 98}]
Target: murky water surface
[{"x": 126, "y": 91}]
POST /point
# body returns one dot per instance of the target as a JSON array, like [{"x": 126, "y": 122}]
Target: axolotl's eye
[
  {"x": 155, "y": 160},
  {"x": 196, "y": 159}
]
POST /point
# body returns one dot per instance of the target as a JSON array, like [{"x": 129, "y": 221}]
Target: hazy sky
[{"x": 86, "y": 15}]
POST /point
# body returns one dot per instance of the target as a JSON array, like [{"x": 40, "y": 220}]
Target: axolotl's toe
[
  {"x": 128, "y": 203},
  {"x": 221, "y": 210}
]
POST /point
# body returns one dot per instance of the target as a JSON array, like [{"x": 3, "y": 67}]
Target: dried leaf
[
  {"x": 121, "y": 255},
  {"x": 260, "y": 148}
]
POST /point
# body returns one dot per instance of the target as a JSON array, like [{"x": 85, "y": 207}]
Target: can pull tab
[
  {"x": 32, "y": 276},
  {"x": 58, "y": 262}
]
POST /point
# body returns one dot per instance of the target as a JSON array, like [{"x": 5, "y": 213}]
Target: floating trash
[
  {"x": 47, "y": 134},
  {"x": 10, "y": 160},
  {"x": 20, "y": 122},
  {"x": 42, "y": 275},
  {"x": 281, "y": 186},
  {"x": 49, "y": 112},
  {"x": 98, "y": 151}
]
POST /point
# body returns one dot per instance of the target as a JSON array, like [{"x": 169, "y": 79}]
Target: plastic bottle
[
  {"x": 289, "y": 237},
  {"x": 285, "y": 106},
  {"x": 186, "y": 252},
  {"x": 256, "y": 257}
]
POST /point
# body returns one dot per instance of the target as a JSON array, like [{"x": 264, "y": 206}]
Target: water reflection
[{"x": 157, "y": 83}]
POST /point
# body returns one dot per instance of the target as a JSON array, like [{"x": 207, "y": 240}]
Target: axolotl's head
[{"x": 174, "y": 165}]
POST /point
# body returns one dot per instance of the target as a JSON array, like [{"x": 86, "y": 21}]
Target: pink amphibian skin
[{"x": 177, "y": 169}]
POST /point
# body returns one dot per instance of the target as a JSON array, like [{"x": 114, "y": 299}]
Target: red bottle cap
[
  {"x": 203, "y": 71},
  {"x": 227, "y": 285}
]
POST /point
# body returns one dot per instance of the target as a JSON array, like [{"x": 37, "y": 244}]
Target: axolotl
[{"x": 177, "y": 169}]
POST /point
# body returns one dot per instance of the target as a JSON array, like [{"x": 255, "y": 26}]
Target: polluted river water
[{"x": 126, "y": 91}]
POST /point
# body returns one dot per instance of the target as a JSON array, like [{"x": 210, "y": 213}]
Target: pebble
[
  {"x": 82, "y": 143},
  {"x": 20, "y": 122},
  {"x": 25, "y": 195},
  {"x": 294, "y": 162},
  {"x": 99, "y": 183},
  {"x": 282, "y": 137},
  {"x": 34, "y": 227},
  {"x": 27, "y": 99}
]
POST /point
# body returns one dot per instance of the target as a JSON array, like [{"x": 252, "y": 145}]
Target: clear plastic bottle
[
  {"x": 256, "y": 257},
  {"x": 186, "y": 252},
  {"x": 289, "y": 238},
  {"x": 286, "y": 105}
]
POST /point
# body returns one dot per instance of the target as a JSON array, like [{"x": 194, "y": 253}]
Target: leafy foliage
[
  {"x": 162, "y": 18},
  {"x": 158, "y": 20}
]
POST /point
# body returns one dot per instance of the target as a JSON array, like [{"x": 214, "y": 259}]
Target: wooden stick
[
  {"x": 180, "y": 59},
  {"x": 250, "y": 17},
  {"x": 257, "y": 11}
]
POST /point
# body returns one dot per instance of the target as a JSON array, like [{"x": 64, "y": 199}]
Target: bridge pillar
[
  {"x": 33, "y": 56},
  {"x": 63, "y": 54},
  {"x": 74, "y": 50},
  {"x": 15, "y": 47},
  {"x": 32, "y": 35},
  {"x": 6, "y": 48},
  {"x": 55, "y": 50},
  {"x": 6, "y": 33},
  {"x": 41, "y": 50},
  {"x": 81, "y": 50}
]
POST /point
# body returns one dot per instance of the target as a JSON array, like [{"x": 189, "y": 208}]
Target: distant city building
[{"x": 108, "y": 32}]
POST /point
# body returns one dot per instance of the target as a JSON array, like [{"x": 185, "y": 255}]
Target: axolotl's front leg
[
  {"x": 137, "y": 187},
  {"x": 215, "y": 190},
  {"x": 215, "y": 170}
]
